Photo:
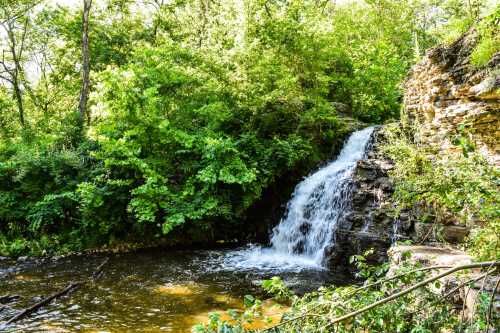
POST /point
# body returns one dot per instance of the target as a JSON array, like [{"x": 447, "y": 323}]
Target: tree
[
  {"x": 84, "y": 94},
  {"x": 15, "y": 23}
]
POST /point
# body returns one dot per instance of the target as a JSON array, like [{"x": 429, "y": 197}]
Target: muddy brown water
[{"x": 147, "y": 291}]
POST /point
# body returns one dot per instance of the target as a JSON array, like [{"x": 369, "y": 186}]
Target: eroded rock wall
[{"x": 445, "y": 91}]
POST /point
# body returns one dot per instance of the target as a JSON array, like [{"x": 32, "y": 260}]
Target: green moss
[{"x": 485, "y": 50}]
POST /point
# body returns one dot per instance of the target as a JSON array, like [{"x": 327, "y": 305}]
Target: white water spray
[{"x": 308, "y": 227}]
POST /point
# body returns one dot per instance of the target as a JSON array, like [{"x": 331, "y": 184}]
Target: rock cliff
[
  {"x": 370, "y": 224},
  {"x": 446, "y": 94}
]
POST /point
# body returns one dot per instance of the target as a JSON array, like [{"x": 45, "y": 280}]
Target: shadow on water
[{"x": 147, "y": 291}]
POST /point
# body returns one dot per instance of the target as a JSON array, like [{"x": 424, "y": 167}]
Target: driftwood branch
[
  {"x": 37, "y": 306},
  {"x": 71, "y": 287}
]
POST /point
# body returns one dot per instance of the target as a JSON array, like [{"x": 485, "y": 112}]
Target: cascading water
[{"x": 311, "y": 219}]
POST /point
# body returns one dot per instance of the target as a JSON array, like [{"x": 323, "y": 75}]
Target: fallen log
[
  {"x": 71, "y": 287},
  {"x": 8, "y": 298},
  {"x": 35, "y": 307}
]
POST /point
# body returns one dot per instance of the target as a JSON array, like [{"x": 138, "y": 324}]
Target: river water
[{"x": 146, "y": 291}]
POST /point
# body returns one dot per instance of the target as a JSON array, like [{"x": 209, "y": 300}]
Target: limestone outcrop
[{"x": 445, "y": 94}]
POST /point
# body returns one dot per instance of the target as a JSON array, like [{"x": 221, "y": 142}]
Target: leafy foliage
[
  {"x": 423, "y": 310},
  {"x": 463, "y": 186},
  {"x": 196, "y": 108},
  {"x": 489, "y": 39},
  {"x": 277, "y": 288}
]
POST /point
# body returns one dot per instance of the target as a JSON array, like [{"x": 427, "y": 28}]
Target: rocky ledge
[
  {"x": 370, "y": 223},
  {"x": 374, "y": 222}
]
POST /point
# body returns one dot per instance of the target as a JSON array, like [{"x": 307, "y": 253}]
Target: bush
[
  {"x": 422, "y": 310},
  {"x": 489, "y": 40},
  {"x": 462, "y": 187}
]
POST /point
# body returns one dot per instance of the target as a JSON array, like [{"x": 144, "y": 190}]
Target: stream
[{"x": 145, "y": 291}]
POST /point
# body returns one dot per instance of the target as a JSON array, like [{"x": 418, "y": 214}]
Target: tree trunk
[
  {"x": 18, "y": 96},
  {"x": 84, "y": 94},
  {"x": 16, "y": 72}
]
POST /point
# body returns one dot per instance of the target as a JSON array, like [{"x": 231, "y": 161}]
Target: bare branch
[
  {"x": 490, "y": 307},
  {"x": 412, "y": 288}
]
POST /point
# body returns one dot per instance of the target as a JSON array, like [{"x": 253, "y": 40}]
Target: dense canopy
[{"x": 194, "y": 107}]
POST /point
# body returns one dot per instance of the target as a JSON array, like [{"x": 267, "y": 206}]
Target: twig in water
[
  {"x": 99, "y": 271},
  {"x": 43, "y": 302},
  {"x": 71, "y": 287}
]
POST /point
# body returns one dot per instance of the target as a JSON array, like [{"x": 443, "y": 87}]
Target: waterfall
[{"x": 308, "y": 227}]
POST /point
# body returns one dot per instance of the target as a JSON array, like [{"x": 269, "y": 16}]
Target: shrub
[{"x": 463, "y": 185}]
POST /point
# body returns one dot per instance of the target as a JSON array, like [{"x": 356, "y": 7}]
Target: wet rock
[
  {"x": 342, "y": 108},
  {"x": 348, "y": 243},
  {"x": 430, "y": 232},
  {"x": 5, "y": 299},
  {"x": 370, "y": 222},
  {"x": 22, "y": 259}
]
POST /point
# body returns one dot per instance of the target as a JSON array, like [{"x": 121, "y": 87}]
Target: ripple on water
[{"x": 149, "y": 291}]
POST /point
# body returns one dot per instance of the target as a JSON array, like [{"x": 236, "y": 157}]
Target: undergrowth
[
  {"x": 420, "y": 311},
  {"x": 457, "y": 187},
  {"x": 489, "y": 39}
]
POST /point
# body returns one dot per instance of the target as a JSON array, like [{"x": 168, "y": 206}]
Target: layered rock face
[
  {"x": 445, "y": 94},
  {"x": 370, "y": 223}
]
